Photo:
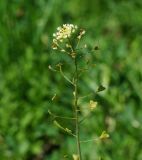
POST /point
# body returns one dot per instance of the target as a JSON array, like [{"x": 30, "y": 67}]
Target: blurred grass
[{"x": 27, "y": 86}]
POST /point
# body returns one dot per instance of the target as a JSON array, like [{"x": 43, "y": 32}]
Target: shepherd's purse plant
[{"x": 67, "y": 40}]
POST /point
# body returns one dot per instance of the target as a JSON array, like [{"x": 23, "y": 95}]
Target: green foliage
[{"x": 27, "y": 85}]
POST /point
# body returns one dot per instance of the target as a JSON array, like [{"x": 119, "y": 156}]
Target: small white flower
[
  {"x": 67, "y": 45},
  {"x": 62, "y": 50},
  {"x": 58, "y": 28},
  {"x": 83, "y": 32},
  {"x": 54, "y": 35},
  {"x": 55, "y": 48}
]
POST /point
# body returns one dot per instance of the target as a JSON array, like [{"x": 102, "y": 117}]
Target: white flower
[{"x": 64, "y": 32}]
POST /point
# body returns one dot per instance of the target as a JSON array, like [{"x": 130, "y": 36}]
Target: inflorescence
[{"x": 64, "y": 34}]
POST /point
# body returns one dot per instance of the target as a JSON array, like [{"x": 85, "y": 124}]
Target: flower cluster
[
  {"x": 64, "y": 32},
  {"x": 62, "y": 38}
]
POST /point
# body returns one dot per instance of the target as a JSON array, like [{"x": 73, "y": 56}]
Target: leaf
[
  {"x": 101, "y": 88},
  {"x": 96, "y": 48}
]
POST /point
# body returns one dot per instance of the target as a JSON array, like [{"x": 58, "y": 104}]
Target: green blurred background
[{"x": 27, "y": 85}]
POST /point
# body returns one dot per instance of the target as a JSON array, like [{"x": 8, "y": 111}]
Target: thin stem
[
  {"x": 62, "y": 48},
  {"x": 62, "y": 74},
  {"x": 71, "y": 118},
  {"x": 76, "y": 110},
  {"x": 62, "y": 117},
  {"x": 64, "y": 129},
  {"x": 90, "y": 140},
  {"x": 72, "y": 49},
  {"x": 77, "y": 43},
  {"x": 65, "y": 76},
  {"x": 91, "y": 94}
]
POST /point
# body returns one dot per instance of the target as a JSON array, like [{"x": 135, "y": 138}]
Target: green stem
[{"x": 76, "y": 110}]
